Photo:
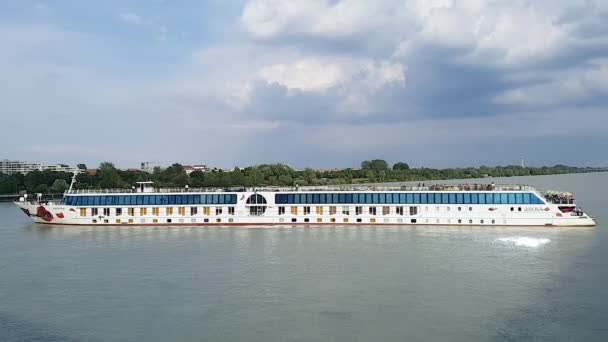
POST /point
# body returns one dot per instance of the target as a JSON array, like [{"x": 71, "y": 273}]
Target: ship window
[
  {"x": 386, "y": 210},
  {"x": 83, "y": 212},
  {"x": 413, "y": 220},
  {"x": 257, "y": 204},
  {"x": 497, "y": 199},
  {"x": 155, "y": 211},
  {"x": 294, "y": 220},
  {"x": 94, "y": 211},
  {"x": 372, "y": 210},
  {"x": 504, "y": 198},
  {"x": 230, "y": 210},
  {"x": 193, "y": 211},
  {"x": 218, "y": 211},
  {"x": 118, "y": 211},
  {"x": 467, "y": 198},
  {"x": 358, "y": 210},
  {"x": 519, "y": 199},
  {"x": 511, "y": 198},
  {"x": 306, "y": 210},
  {"x": 169, "y": 211},
  {"x": 281, "y": 210},
  {"x": 345, "y": 210},
  {"x": 481, "y": 198},
  {"x": 319, "y": 210},
  {"x": 332, "y": 210},
  {"x": 307, "y": 220},
  {"x": 526, "y": 198},
  {"x": 399, "y": 211},
  {"x": 294, "y": 210}
]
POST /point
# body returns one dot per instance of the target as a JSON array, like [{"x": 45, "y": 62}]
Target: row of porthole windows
[
  {"x": 158, "y": 221},
  {"x": 373, "y": 220}
]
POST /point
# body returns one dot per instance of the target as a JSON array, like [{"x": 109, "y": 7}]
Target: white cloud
[{"x": 321, "y": 74}]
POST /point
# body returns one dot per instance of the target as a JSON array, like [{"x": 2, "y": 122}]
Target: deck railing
[{"x": 443, "y": 187}]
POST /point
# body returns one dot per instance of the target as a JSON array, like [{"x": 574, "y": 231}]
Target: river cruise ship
[{"x": 462, "y": 205}]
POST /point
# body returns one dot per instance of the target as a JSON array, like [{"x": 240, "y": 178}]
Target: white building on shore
[{"x": 10, "y": 167}]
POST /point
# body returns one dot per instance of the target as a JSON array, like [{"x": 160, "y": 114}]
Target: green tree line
[{"x": 371, "y": 171}]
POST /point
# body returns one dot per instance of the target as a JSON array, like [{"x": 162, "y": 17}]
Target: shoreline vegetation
[{"x": 371, "y": 171}]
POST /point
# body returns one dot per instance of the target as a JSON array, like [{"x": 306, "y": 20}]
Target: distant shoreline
[{"x": 15, "y": 197}]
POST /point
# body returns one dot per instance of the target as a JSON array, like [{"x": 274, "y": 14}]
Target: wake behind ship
[{"x": 467, "y": 204}]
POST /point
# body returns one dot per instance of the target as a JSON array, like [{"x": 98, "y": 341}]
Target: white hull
[{"x": 546, "y": 214}]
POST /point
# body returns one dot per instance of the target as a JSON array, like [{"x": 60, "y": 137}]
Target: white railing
[{"x": 350, "y": 187}]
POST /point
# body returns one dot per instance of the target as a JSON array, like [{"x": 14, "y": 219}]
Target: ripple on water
[{"x": 524, "y": 241}]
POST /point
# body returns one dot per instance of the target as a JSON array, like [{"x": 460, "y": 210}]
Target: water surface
[{"x": 308, "y": 284}]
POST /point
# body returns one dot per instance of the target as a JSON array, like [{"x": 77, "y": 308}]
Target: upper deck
[{"x": 333, "y": 188}]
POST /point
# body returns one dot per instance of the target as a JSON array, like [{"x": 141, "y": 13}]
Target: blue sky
[{"x": 311, "y": 83}]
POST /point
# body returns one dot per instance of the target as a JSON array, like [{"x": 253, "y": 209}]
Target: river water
[{"x": 309, "y": 284}]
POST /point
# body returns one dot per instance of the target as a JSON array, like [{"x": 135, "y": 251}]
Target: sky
[{"x": 310, "y": 83}]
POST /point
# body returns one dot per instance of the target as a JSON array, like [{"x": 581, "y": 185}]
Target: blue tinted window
[
  {"x": 381, "y": 198},
  {"x": 519, "y": 199},
  {"x": 416, "y": 198},
  {"x": 474, "y": 198},
  {"x": 489, "y": 198},
  {"x": 409, "y": 198},
  {"x": 467, "y": 198},
  {"x": 315, "y": 198},
  {"x": 526, "y": 198},
  {"x": 459, "y": 199},
  {"x": 452, "y": 198},
  {"x": 504, "y": 199},
  {"x": 482, "y": 198},
  {"x": 497, "y": 199},
  {"x": 431, "y": 198}
]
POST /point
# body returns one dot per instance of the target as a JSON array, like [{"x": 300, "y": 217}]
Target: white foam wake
[{"x": 524, "y": 241}]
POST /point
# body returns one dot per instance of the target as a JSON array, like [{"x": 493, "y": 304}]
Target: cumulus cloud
[{"x": 336, "y": 80}]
